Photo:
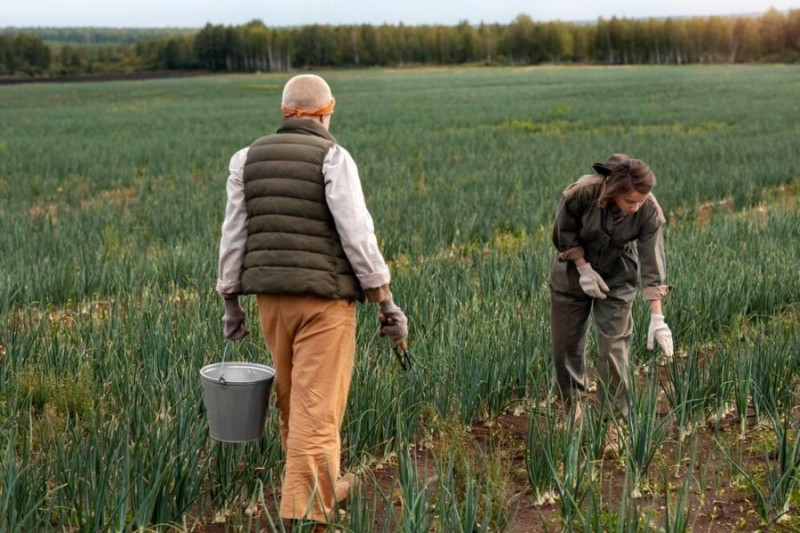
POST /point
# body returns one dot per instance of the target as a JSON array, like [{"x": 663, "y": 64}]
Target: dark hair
[{"x": 622, "y": 175}]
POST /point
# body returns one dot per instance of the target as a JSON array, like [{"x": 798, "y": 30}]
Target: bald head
[{"x": 306, "y": 91}]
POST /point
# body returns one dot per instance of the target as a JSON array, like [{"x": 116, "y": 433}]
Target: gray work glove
[
  {"x": 394, "y": 323},
  {"x": 660, "y": 333},
  {"x": 591, "y": 282},
  {"x": 233, "y": 321}
]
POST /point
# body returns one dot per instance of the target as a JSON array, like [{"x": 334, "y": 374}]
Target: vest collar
[{"x": 305, "y": 126}]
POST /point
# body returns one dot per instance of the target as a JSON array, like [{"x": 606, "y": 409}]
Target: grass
[{"x": 112, "y": 195}]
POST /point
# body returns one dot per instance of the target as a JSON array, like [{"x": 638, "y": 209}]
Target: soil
[
  {"x": 719, "y": 500},
  {"x": 716, "y": 504}
]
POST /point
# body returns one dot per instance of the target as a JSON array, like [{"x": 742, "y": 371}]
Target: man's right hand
[
  {"x": 394, "y": 323},
  {"x": 591, "y": 282},
  {"x": 233, "y": 321}
]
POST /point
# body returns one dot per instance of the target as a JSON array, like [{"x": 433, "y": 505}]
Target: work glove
[
  {"x": 591, "y": 282},
  {"x": 394, "y": 323},
  {"x": 233, "y": 321},
  {"x": 659, "y": 332}
]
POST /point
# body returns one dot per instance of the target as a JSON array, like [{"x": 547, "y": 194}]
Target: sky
[{"x": 196, "y": 13}]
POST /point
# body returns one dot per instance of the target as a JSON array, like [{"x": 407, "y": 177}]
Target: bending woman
[{"x": 608, "y": 228}]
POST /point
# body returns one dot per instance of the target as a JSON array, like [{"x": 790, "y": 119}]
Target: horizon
[
  {"x": 150, "y": 14},
  {"x": 470, "y": 22}
]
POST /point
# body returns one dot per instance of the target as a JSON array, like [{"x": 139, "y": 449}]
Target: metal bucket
[{"x": 236, "y": 397}]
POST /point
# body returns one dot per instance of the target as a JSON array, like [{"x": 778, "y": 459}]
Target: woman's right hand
[{"x": 591, "y": 282}]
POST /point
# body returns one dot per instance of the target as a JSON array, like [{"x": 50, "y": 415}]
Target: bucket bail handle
[{"x": 221, "y": 378}]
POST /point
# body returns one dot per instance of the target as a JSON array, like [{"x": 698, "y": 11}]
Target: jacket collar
[{"x": 305, "y": 126}]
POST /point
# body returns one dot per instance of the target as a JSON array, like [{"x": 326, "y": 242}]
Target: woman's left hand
[{"x": 659, "y": 332}]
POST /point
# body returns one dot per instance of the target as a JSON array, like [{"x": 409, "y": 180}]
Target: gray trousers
[{"x": 569, "y": 324}]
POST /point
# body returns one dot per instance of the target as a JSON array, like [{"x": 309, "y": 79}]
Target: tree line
[
  {"x": 771, "y": 37},
  {"x": 96, "y": 35}
]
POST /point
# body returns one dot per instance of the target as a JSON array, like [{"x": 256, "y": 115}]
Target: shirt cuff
[
  {"x": 374, "y": 279},
  {"x": 571, "y": 254},
  {"x": 656, "y": 293},
  {"x": 229, "y": 288},
  {"x": 379, "y": 294}
]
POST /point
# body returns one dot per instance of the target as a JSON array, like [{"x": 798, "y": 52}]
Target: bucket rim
[{"x": 270, "y": 372}]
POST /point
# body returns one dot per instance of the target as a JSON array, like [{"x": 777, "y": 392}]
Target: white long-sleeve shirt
[{"x": 345, "y": 200}]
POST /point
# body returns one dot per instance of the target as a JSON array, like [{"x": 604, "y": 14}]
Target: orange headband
[{"x": 321, "y": 111}]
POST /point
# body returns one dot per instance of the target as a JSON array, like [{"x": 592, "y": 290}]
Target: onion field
[{"x": 111, "y": 201}]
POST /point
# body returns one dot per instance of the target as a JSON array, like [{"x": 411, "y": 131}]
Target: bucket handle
[{"x": 221, "y": 378}]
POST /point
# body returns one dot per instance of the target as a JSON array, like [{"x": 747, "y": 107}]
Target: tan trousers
[{"x": 312, "y": 342}]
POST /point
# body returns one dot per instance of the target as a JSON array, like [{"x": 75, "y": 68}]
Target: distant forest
[
  {"x": 771, "y": 37},
  {"x": 97, "y": 36}
]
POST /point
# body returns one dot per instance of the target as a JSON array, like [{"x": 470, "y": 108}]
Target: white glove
[
  {"x": 394, "y": 323},
  {"x": 591, "y": 282},
  {"x": 659, "y": 332}
]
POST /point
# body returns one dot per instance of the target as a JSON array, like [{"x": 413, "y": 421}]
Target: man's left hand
[{"x": 394, "y": 323}]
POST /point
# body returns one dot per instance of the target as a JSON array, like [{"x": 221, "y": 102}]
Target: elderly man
[{"x": 298, "y": 235}]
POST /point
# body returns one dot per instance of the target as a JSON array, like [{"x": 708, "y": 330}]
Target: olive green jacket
[{"x": 619, "y": 246}]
